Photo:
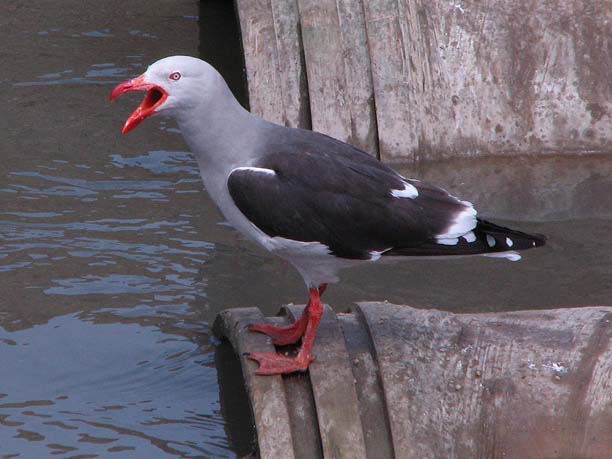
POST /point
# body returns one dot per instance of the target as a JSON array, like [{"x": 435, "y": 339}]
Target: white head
[{"x": 173, "y": 84}]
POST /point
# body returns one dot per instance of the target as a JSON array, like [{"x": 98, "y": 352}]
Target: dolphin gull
[{"x": 317, "y": 202}]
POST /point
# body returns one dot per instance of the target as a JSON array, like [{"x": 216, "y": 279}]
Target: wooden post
[
  {"x": 431, "y": 79},
  {"x": 399, "y": 382},
  {"x": 272, "y": 54}
]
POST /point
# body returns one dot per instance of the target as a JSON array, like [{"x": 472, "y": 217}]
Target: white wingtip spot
[
  {"x": 490, "y": 240},
  {"x": 260, "y": 170},
  {"x": 465, "y": 221},
  {"x": 469, "y": 237},
  {"x": 509, "y": 242},
  {"x": 447, "y": 240},
  {"x": 409, "y": 191},
  {"x": 511, "y": 255}
]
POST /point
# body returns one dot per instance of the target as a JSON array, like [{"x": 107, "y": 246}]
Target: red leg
[
  {"x": 274, "y": 364},
  {"x": 281, "y": 336}
]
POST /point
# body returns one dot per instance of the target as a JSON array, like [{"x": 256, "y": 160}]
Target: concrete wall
[{"x": 428, "y": 79}]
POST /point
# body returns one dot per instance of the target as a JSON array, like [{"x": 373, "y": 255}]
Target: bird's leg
[
  {"x": 274, "y": 364},
  {"x": 281, "y": 336}
]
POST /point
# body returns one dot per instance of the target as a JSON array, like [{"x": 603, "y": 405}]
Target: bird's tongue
[
  {"x": 152, "y": 100},
  {"x": 155, "y": 97}
]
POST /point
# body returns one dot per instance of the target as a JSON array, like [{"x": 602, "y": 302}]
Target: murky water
[{"x": 114, "y": 262}]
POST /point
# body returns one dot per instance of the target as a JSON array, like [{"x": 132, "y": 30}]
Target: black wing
[{"x": 326, "y": 191}]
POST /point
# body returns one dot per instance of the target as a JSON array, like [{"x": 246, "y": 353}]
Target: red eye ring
[{"x": 175, "y": 76}]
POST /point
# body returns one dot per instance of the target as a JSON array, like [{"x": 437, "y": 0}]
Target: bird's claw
[
  {"x": 281, "y": 336},
  {"x": 271, "y": 363}
]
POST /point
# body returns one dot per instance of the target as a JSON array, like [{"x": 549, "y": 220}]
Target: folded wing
[{"x": 352, "y": 203}]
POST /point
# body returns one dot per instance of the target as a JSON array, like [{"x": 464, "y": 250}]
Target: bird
[{"x": 319, "y": 203}]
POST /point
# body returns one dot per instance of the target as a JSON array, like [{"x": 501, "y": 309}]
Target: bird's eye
[{"x": 175, "y": 76}]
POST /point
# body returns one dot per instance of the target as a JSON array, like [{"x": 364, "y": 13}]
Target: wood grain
[{"x": 413, "y": 80}]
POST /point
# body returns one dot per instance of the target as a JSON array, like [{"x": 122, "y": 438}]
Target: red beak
[{"x": 155, "y": 97}]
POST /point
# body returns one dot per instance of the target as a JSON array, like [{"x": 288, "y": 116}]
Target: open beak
[{"x": 155, "y": 97}]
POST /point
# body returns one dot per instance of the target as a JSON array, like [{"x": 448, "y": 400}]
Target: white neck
[{"x": 220, "y": 132}]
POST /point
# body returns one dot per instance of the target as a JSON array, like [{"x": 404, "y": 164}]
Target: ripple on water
[
  {"x": 129, "y": 368},
  {"x": 103, "y": 33},
  {"x": 93, "y": 185},
  {"x": 158, "y": 399},
  {"x": 104, "y": 348},
  {"x": 109, "y": 255},
  {"x": 98, "y": 73},
  {"x": 111, "y": 285},
  {"x": 160, "y": 162}
]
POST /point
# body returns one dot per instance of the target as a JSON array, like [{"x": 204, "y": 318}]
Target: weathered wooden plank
[
  {"x": 261, "y": 59},
  {"x": 491, "y": 77},
  {"x": 396, "y": 125},
  {"x": 358, "y": 76},
  {"x": 267, "y": 396},
  {"x": 301, "y": 407},
  {"x": 368, "y": 386},
  {"x": 334, "y": 390},
  {"x": 322, "y": 40},
  {"x": 294, "y": 90},
  {"x": 449, "y": 78},
  {"x": 505, "y": 385},
  {"x": 517, "y": 384}
]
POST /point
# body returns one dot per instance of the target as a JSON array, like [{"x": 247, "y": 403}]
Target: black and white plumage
[
  {"x": 319, "y": 203},
  {"x": 318, "y": 189}
]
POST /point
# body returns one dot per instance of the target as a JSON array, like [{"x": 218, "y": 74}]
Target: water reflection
[
  {"x": 160, "y": 162},
  {"x": 88, "y": 400},
  {"x": 171, "y": 252},
  {"x": 85, "y": 399},
  {"x": 98, "y": 33},
  {"x": 97, "y": 73},
  {"x": 104, "y": 314},
  {"x": 548, "y": 188}
]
